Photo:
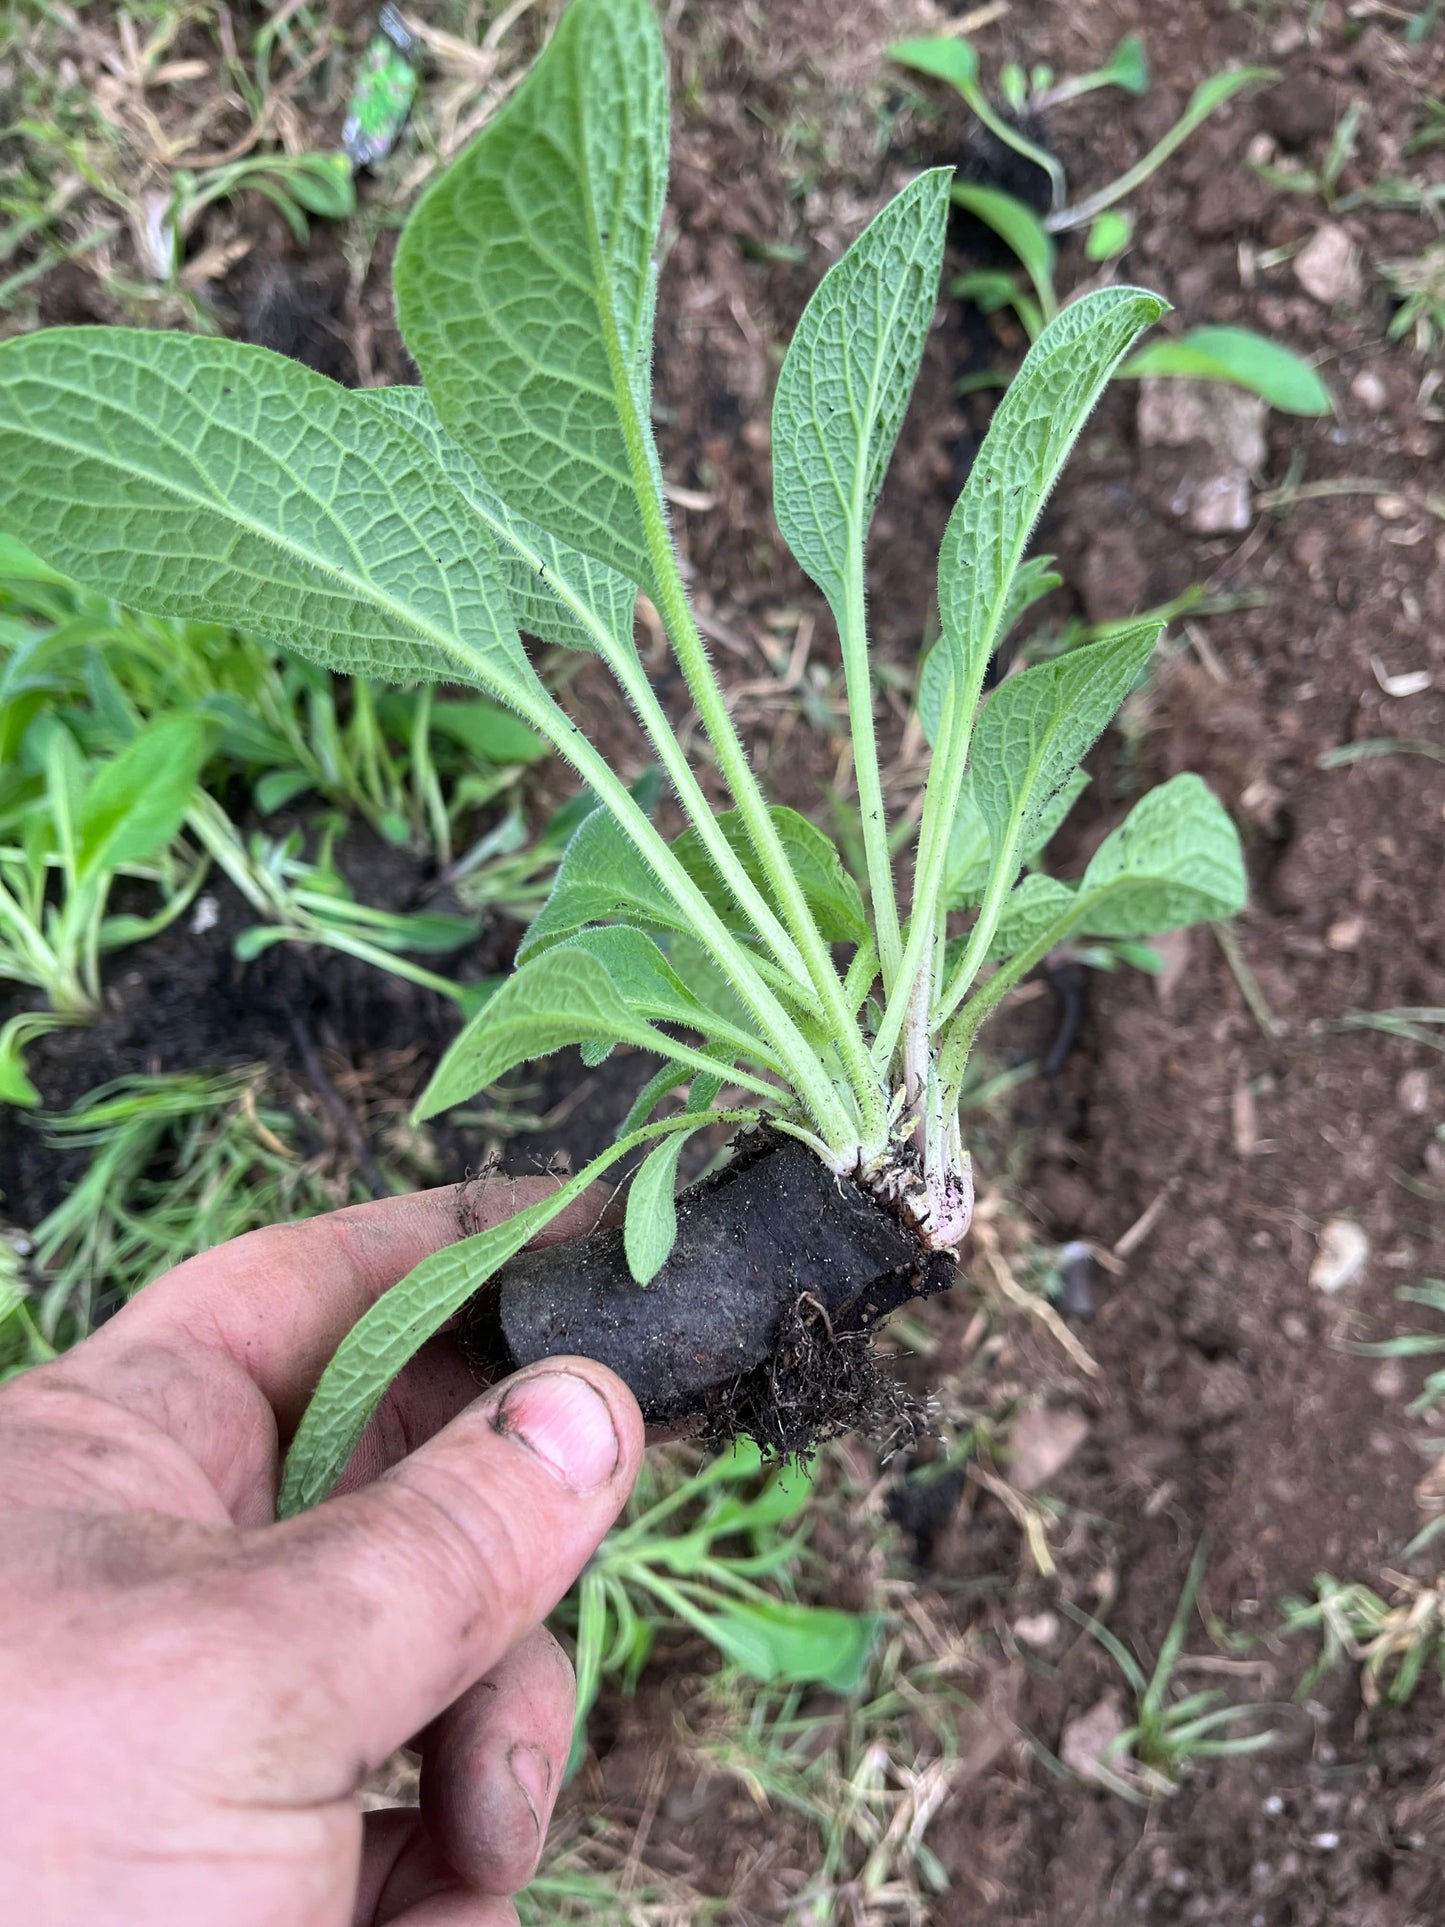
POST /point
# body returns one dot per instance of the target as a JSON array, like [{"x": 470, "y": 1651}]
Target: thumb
[{"x": 379, "y": 1609}]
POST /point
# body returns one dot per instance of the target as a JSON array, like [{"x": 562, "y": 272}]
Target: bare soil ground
[{"x": 1224, "y": 1403}]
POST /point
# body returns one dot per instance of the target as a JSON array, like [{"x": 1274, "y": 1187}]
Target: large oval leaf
[
  {"x": 206, "y": 478},
  {"x": 525, "y": 284}
]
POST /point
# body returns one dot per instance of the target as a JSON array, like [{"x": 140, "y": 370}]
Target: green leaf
[
  {"x": 833, "y": 897},
  {"x": 1208, "y": 96},
  {"x": 16, "y": 1035},
  {"x": 652, "y": 988},
  {"x": 1128, "y": 66},
  {"x": 970, "y": 849},
  {"x": 943, "y": 56},
  {"x": 1019, "y": 228},
  {"x": 136, "y": 803},
  {"x": 1031, "y": 908},
  {"x": 1033, "y": 429},
  {"x": 600, "y": 878},
  {"x": 847, "y": 378},
  {"x": 1174, "y": 860},
  {"x": 778, "y": 1639},
  {"x": 486, "y": 731},
  {"x": 1036, "y": 728},
  {"x": 565, "y": 996},
  {"x": 650, "y": 1228},
  {"x": 210, "y": 479},
  {"x": 546, "y": 580},
  {"x": 525, "y": 284},
  {"x": 19, "y": 564},
  {"x": 1238, "y": 355},
  {"x": 1110, "y": 234},
  {"x": 1034, "y": 579}
]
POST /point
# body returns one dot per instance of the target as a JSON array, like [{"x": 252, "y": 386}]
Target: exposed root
[{"x": 817, "y": 1385}]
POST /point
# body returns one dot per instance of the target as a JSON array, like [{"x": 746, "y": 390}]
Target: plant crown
[{"x": 410, "y": 535}]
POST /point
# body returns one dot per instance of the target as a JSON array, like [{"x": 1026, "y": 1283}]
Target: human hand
[{"x": 192, "y": 1693}]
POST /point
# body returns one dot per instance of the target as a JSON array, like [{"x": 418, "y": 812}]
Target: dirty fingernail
[
  {"x": 530, "y": 1768},
  {"x": 567, "y": 1424}
]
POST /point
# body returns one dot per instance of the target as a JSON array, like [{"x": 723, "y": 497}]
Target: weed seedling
[
  {"x": 695, "y": 1551},
  {"x": 1149, "y": 1759},
  {"x": 411, "y": 534},
  {"x": 1392, "y": 1641}
]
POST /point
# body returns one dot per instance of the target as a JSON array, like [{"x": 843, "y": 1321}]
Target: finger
[
  {"x": 405, "y": 1883},
  {"x": 493, "y": 1763},
  {"x": 280, "y": 1300},
  {"x": 491, "y": 1768},
  {"x": 379, "y": 1609},
  {"x": 209, "y": 1352}
]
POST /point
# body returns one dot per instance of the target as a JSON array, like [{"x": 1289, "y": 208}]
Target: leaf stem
[
  {"x": 854, "y": 638},
  {"x": 804, "y": 1068},
  {"x": 958, "y": 1041}
]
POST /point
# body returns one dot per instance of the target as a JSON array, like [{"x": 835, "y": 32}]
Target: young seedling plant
[{"x": 410, "y": 534}]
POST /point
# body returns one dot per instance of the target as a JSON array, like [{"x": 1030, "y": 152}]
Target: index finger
[{"x": 277, "y": 1302}]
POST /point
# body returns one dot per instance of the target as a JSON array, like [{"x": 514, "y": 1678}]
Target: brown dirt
[{"x": 1225, "y": 1405}]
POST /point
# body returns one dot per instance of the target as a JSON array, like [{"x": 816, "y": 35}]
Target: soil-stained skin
[{"x": 773, "y": 1236}]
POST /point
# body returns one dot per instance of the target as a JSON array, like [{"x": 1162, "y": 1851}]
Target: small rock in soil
[
  {"x": 1369, "y": 390},
  {"x": 1342, "y": 1255},
  {"x": 1086, "y": 1740},
  {"x": 1222, "y": 428},
  {"x": 1039, "y": 1630},
  {"x": 1041, "y": 1443},
  {"x": 1412, "y": 1093},
  {"x": 1387, "y": 1381},
  {"x": 1328, "y": 267}
]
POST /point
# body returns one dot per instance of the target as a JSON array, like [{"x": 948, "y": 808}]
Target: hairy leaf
[
  {"x": 970, "y": 848},
  {"x": 847, "y": 378},
  {"x": 545, "y": 578},
  {"x": 524, "y": 281},
  {"x": 1033, "y": 580},
  {"x": 565, "y": 996},
  {"x": 1031, "y": 908},
  {"x": 832, "y": 895},
  {"x": 649, "y": 1229},
  {"x": 206, "y": 478},
  {"x": 600, "y": 878},
  {"x": 1034, "y": 730},
  {"x": 653, "y": 989},
  {"x": 1175, "y": 859},
  {"x": 1033, "y": 429}
]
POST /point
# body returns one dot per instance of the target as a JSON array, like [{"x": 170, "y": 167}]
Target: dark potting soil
[{"x": 758, "y": 1320}]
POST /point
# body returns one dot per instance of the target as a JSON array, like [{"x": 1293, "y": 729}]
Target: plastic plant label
[{"x": 382, "y": 96}]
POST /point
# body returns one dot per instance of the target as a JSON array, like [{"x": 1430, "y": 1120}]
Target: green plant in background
[
  {"x": 70, "y": 826},
  {"x": 708, "y": 1550},
  {"x": 107, "y": 718},
  {"x": 1237, "y": 355},
  {"x": 1417, "y": 282},
  {"x": 178, "y": 1164},
  {"x": 409, "y": 535},
  {"x": 1150, "y": 1758},
  {"x": 1393, "y": 1641},
  {"x": 951, "y": 58},
  {"x": 1431, "y": 1294}
]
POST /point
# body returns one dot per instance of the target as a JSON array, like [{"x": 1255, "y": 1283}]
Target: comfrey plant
[{"x": 411, "y": 534}]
